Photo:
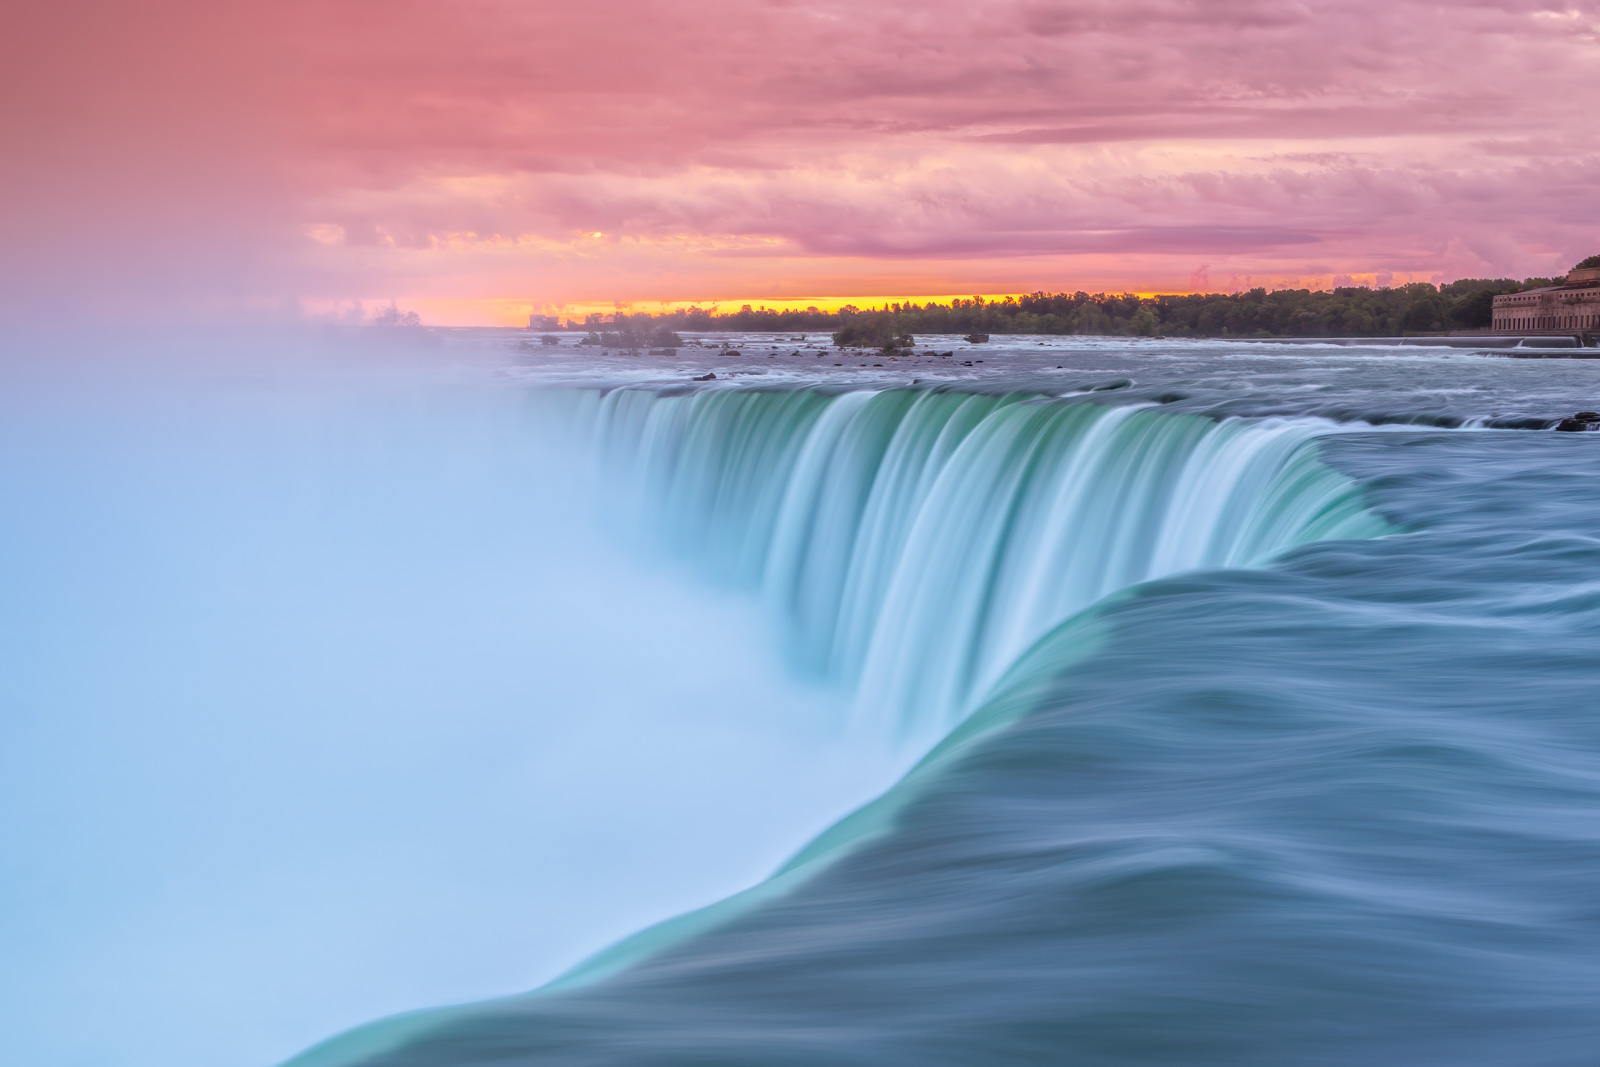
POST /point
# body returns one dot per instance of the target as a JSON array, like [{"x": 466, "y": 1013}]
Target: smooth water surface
[{"x": 1243, "y": 697}]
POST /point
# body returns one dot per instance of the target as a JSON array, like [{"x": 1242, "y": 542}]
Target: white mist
[{"x": 320, "y": 699}]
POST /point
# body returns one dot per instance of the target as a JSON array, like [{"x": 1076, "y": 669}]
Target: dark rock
[
  {"x": 1588, "y": 416},
  {"x": 1572, "y": 426},
  {"x": 977, "y": 338},
  {"x": 1518, "y": 422},
  {"x": 881, "y": 331},
  {"x": 709, "y": 376}
]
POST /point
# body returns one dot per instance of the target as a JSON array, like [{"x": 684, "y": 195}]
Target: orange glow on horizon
[
  {"x": 514, "y": 312},
  {"x": 318, "y": 160}
]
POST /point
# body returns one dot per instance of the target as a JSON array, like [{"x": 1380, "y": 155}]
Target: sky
[{"x": 481, "y": 159}]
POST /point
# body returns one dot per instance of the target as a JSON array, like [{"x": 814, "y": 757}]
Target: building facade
[{"x": 1570, "y": 308}]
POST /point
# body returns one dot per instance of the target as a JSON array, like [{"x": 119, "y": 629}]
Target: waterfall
[
  {"x": 916, "y": 543},
  {"x": 925, "y": 548}
]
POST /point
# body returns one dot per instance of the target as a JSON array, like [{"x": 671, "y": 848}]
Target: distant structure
[
  {"x": 544, "y": 322},
  {"x": 1570, "y": 308}
]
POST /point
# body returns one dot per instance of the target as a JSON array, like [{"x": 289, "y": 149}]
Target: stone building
[{"x": 1570, "y": 308}]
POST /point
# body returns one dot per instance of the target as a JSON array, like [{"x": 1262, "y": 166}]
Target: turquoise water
[
  {"x": 1238, "y": 707},
  {"x": 918, "y": 542},
  {"x": 1253, "y": 733}
]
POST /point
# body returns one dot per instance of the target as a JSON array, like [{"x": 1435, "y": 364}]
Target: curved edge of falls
[
  {"x": 935, "y": 552},
  {"x": 914, "y": 543}
]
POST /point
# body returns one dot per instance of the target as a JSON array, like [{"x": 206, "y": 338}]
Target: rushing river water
[{"x": 1240, "y": 703}]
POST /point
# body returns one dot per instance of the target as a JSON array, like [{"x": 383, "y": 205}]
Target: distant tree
[
  {"x": 1348, "y": 311},
  {"x": 1091, "y": 318},
  {"x": 876, "y": 331},
  {"x": 1357, "y": 323},
  {"x": 661, "y": 337},
  {"x": 392, "y": 317},
  {"x": 1424, "y": 311},
  {"x": 637, "y": 331},
  {"x": 1592, "y": 261},
  {"x": 1475, "y": 310}
]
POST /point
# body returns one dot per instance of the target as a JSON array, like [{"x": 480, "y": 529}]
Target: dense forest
[{"x": 1353, "y": 312}]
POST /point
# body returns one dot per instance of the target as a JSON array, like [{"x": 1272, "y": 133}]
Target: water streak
[{"x": 917, "y": 543}]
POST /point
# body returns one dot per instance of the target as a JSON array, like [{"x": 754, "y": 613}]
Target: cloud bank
[{"x": 637, "y": 150}]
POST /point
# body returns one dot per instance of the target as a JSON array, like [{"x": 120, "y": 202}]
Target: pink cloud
[{"x": 724, "y": 145}]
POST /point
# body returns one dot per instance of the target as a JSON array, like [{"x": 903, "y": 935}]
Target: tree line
[{"x": 1419, "y": 307}]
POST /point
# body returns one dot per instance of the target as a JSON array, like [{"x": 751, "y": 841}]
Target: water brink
[
  {"x": 929, "y": 549},
  {"x": 917, "y": 543}
]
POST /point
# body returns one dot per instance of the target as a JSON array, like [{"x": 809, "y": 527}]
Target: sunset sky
[{"x": 478, "y": 160}]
